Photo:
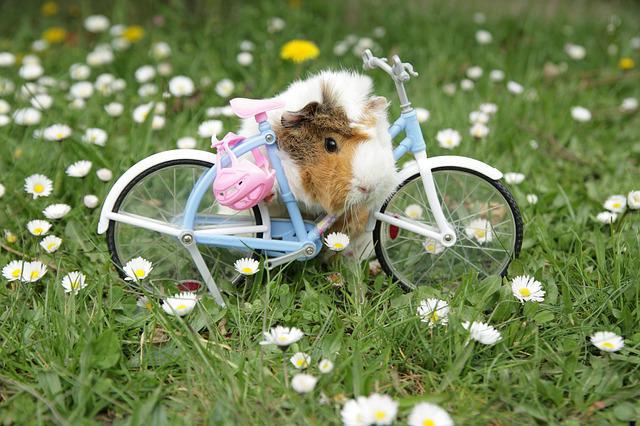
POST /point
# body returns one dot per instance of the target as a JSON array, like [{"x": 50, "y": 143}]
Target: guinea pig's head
[{"x": 341, "y": 163}]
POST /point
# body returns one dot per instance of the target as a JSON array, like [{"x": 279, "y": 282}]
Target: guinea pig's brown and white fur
[{"x": 347, "y": 177}]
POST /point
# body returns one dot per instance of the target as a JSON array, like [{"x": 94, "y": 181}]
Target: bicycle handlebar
[{"x": 400, "y": 71}]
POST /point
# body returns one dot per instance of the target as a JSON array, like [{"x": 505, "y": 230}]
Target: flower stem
[{"x": 284, "y": 369}]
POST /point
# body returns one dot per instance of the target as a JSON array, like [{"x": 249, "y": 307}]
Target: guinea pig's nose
[{"x": 364, "y": 189}]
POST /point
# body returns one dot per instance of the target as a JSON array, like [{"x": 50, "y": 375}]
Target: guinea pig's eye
[{"x": 330, "y": 144}]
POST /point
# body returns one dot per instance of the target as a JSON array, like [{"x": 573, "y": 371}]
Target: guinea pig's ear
[
  {"x": 377, "y": 104},
  {"x": 294, "y": 119}
]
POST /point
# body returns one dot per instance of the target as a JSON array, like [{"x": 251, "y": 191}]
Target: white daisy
[
  {"x": 433, "y": 311},
  {"x": 247, "y": 45},
  {"x": 606, "y": 217},
  {"x": 4, "y": 120},
  {"x": 422, "y": 114},
  {"x": 95, "y": 136},
  {"x": 186, "y": 142},
  {"x": 532, "y": 198},
  {"x": 38, "y": 227},
  {"x": 467, "y": 84},
  {"x": 79, "y": 71},
  {"x": 449, "y": 89},
  {"x": 580, "y": 114},
  {"x": 616, "y": 203},
  {"x": 56, "y": 211},
  {"x": 575, "y": 51},
  {"x": 414, "y": 211},
  {"x": 74, "y": 282},
  {"x": 137, "y": 269},
  {"x": 633, "y": 200},
  {"x": 483, "y": 333},
  {"x": 81, "y": 90},
  {"x": 282, "y": 336},
  {"x": 51, "y": 243},
  {"x": 478, "y": 117},
  {"x": 96, "y": 23},
  {"x": 483, "y": 37},
  {"x": 244, "y": 58},
  {"x": 526, "y": 288},
  {"x": 513, "y": 178},
  {"x": 9, "y": 236},
  {"x": 158, "y": 122},
  {"x": 180, "y": 304},
  {"x": 629, "y": 105},
  {"x": 225, "y": 87},
  {"x": 7, "y": 59},
  {"x": 148, "y": 90},
  {"x": 30, "y": 71},
  {"x": 90, "y": 201},
  {"x": 474, "y": 72},
  {"x": 300, "y": 360},
  {"x": 2, "y": 190},
  {"x": 383, "y": 409},
  {"x": 141, "y": 112},
  {"x": 165, "y": 69},
  {"x": 33, "y": 271},
  {"x": 481, "y": 230},
  {"x": 275, "y": 24},
  {"x": 210, "y": 128},
  {"x": 246, "y": 266},
  {"x": 303, "y": 383},
  {"x": 488, "y": 108},
  {"x": 337, "y": 241},
  {"x": 114, "y": 109},
  {"x": 356, "y": 412},
  {"x": 13, "y": 270},
  {"x": 515, "y": 88},
  {"x": 479, "y": 131},
  {"x": 496, "y": 75},
  {"x": 325, "y": 366},
  {"x": 432, "y": 246},
  {"x": 426, "y": 414},
  {"x": 181, "y": 85},
  {"x": 607, "y": 341},
  {"x": 57, "y": 132},
  {"x": 27, "y": 116},
  {"x": 41, "y": 101},
  {"x": 448, "y": 138},
  {"x": 145, "y": 73},
  {"x": 79, "y": 169},
  {"x": 104, "y": 175},
  {"x": 160, "y": 50},
  {"x": 38, "y": 186}
]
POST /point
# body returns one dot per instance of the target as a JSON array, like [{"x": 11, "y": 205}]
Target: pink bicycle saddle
[
  {"x": 245, "y": 108},
  {"x": 243, "y": 184}
]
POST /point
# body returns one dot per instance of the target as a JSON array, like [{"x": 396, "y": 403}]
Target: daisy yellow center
[
  {"x": 434, "y": 316},
  {"x": 608, "y": 345},
  {"x": 37, "y": 231},
  {"x": 148, "y": 305},
  {"x": 379, "y": 414},
  {"x": 338, "y": 245},
  {"x": 480, "y": 233},
  {"x": 181, "y": 307},
  {"x": 34, "y": 274},
  {"x": 51, "y": 246},
  {"x": 59, "y": 135},
  {"x": 616, "y": 205},
  {"x": 15, "y": 273},
  {"x": 38, "y": 187},
  {"x": 282, "y": 339},
  {"x": 139, "y": 273},
  {"x": 11, "y": 238},
  {"x": 75, "y": 285},
  {"x": 431, "y": 247},
  {"x": 428, "y": 422},
  {"x": 247, "y": 270},
  {"x": 300, "y": 362},
  {"x": 525, "y": 292}
]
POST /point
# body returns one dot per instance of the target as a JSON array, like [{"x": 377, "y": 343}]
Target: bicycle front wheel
[
  {"x": 482, "y": 212},
  {"x": 160, "y": 194}
]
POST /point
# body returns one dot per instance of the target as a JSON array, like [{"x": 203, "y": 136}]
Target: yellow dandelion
[
  {"x": 299, "y": 51},
  {"x": 626, "y": 64},
  {"x": 54, "y": 35},
  {"x": 133, "y": 33},
  {"x": 49, "y": 8}
]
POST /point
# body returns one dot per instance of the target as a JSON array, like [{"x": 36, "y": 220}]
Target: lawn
[{"x": 96, "y": 356}]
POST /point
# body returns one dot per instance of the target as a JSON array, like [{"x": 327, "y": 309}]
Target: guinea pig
[{"x": 334, "y": 146}]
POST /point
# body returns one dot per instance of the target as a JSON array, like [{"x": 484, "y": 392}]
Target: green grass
[{"x": 97, "y": 358}]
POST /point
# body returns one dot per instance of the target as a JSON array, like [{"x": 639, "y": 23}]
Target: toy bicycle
[{"x": 449, "y": 216}]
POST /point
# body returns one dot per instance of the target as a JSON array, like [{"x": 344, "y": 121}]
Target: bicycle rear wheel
[
  {"x": 485, "y": 218},
  {"x": 160, "y": 194}
]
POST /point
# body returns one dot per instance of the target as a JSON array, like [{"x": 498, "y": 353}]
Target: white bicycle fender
[{"x": 442, "y": 161}]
